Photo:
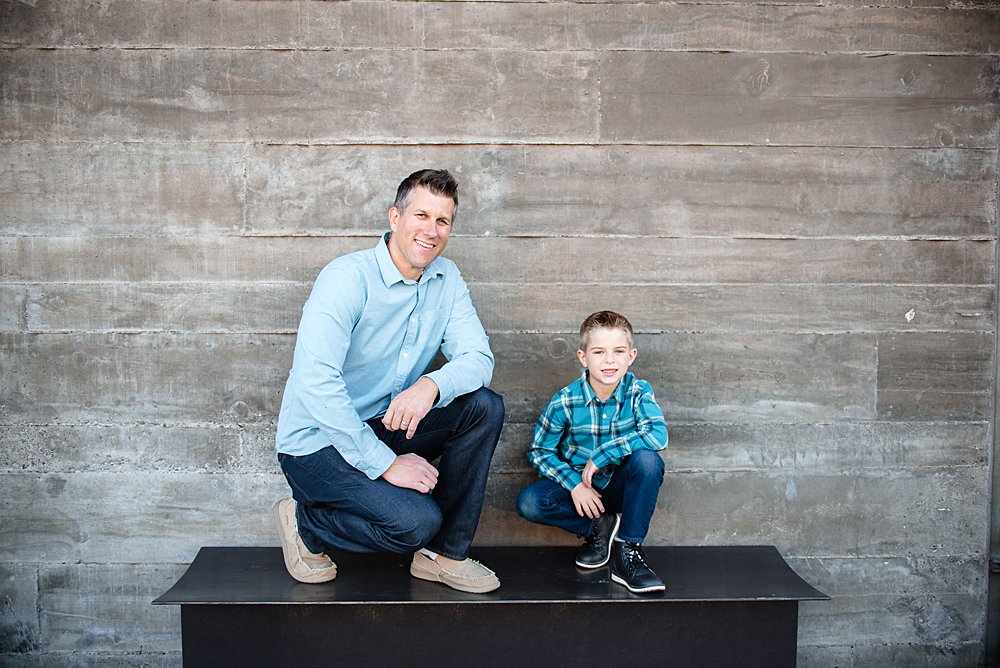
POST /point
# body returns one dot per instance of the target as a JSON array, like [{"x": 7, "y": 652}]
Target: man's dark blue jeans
[
  {"x": 632, "y": 492},
  {"x": 340, "y": 508}
]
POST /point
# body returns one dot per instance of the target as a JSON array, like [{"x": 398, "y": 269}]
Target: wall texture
[{"x": 795, "y": 203}]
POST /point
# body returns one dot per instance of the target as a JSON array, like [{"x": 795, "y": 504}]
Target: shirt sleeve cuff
[
  {"x": 378, "y": 463},
  {"x": 446, "y": 390},
  {"x": 572, "y": 480},
  {"x": 601, "y": 458}
]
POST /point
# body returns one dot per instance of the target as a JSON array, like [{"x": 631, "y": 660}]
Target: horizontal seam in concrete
[
  {"x": 553, "y": 143},
  {"x": 588, "y": 49},
  {"x": 855, "y": 644},
  {"x": 186, "y": 282},
  {"x": 374, "y": 234},
  {"x": 98, "y": 142}
]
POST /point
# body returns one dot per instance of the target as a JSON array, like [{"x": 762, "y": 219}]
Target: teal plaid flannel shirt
[{"x": 577, "y": 426}]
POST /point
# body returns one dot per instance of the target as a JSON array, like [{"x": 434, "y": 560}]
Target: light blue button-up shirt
[{"x": 366, "y": 335}]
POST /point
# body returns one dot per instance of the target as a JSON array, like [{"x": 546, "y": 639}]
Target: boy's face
[{"x": 607, "y": 356}]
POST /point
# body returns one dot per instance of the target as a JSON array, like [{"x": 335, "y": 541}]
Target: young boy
[{"x": 595, "y": 448}]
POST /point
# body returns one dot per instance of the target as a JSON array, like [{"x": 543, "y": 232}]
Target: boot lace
[
  {"x": 634, "y": 557},
  {"x": 593, "y": 539}
]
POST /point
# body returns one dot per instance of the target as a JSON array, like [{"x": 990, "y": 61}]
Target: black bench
[{"x": 724, "y": 606}]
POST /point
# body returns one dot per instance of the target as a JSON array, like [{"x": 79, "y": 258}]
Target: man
[{"x": 361, "y": 419}]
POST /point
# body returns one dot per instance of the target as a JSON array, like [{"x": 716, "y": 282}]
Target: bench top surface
[{"x": 257, "y": 575}]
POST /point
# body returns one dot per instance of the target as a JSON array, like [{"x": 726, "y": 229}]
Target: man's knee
[
  {"x": 411, "y": 530},
  {"x": 486, "y": 402}
]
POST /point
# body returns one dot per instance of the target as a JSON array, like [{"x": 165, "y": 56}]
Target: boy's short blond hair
[{"x": 603, "y": 320}]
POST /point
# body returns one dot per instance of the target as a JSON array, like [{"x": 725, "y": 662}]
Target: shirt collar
[
  {"x": 588, "y": 392},
  {"x": 619, "y": 393},
  {"x": 390, "y": 273}
]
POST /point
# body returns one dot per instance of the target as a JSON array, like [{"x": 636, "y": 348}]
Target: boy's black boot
[
  {"x": 629, "y": 567},
  {"x": 596, "y": 549}
]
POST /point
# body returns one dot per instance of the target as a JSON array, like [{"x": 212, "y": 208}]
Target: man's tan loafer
[
  {"x": 303, "y": 565},
  {"x": 468, "y": 575}
]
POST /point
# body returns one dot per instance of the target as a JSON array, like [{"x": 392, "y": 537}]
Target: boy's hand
[
  {"x": 588, "y": 473},
  {"x": 587, "y": 501}
]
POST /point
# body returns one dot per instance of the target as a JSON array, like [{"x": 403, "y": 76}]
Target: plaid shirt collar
[{"x": 588, "y": 392}]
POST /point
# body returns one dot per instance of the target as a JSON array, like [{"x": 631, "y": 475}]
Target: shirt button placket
[{"x": 403, "y": 366}]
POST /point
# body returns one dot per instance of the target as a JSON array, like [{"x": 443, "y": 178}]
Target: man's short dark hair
[{"x": 438, "y": 181}]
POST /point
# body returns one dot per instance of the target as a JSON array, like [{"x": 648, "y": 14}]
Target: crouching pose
[
  {"x": 595, "y": 448},
  {"x": 362, "y": 419}
]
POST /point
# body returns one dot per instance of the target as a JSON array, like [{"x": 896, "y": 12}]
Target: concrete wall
[{"x": 795, "y": 204}]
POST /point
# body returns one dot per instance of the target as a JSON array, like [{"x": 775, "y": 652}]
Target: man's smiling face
[{"x": 420, "y": 233}]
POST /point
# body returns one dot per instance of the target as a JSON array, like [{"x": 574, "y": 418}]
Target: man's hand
[
  {"x": 411, "y": 471},
  {"x": 587, "y": 501},
  {"x": 410, "y": 406}
]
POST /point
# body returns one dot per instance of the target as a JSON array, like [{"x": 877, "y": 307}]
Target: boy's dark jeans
[
  {"x": 632, "y": 492},
  {"x": 340, "y": 508}
]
